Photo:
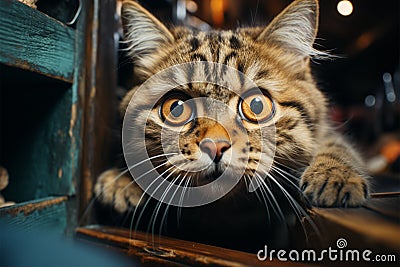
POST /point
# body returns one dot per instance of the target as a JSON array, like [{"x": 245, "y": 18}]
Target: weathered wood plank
[
  {"x": 100, "y": 97},
  {"x": 34, "y": 41},
  {"x": 47, "y": 214},
  {"x": 173, "y": 252},
  {"x": 386, "y": 206},
  {"x": 371, "y": 228}
]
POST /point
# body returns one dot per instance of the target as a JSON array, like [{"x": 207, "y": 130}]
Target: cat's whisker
[
  {"x": 143, "y": 175},
  {"x": 274, "y": 204},
  {"x": 289, "y": 158},
  {"x": 148, "y": 199},
  {"x": 179, "y": 211},
  {"x": 265, "y": 199},
  {"x": 296, "y": 207},
  {"x": 150, "y": 158},
  {"x": 95, "y": 198},
  {"x": 136, "y": 208},
  {"x": 144, "y": 161},
  {"x": 167, "y": 208},
  {"x": 286, "y": 167},
  {"x": 158, "y": 208},
  {"x": 160, "y": 202},
  {"x": 294, "y": 147},
  {"x": 299, "y": 211},
  {"x": 123, "y": 41},
  {"x": 282, "y": 174},
  {"x": 282, "y": 171},
  {"x": 246, "y": 182},
  {"x": 304, "y": 212},
  {"x": 256, "y": 191},
  {"x": 112, "y": 182}
]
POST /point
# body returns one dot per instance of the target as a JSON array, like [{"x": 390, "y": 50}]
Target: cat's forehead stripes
[
  {"x": 230, "y": 48},
  {"x": 223, "y": 48}
]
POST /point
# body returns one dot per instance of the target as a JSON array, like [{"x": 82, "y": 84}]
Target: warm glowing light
[
  {"x": 217, "y": 12},
  {"x": 191, "y": 6},
  {"x": 345, "y": 7}
]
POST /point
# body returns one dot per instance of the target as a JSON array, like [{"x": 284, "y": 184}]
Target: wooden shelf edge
[
  {"x": 30, "y": 206},
  {"x": 363, "y": 222},
  {"x": 165, "y": 249},
  {"x": 36, "y": 42},
  {"x": 43, "y": 215}
]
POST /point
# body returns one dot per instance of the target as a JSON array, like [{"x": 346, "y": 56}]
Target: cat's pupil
[
  {"x": 176, "y": 108},
  {"x": 256, "y": 105}
]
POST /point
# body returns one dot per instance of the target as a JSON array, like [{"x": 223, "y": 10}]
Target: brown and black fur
[{"x": 325, "y": 169}]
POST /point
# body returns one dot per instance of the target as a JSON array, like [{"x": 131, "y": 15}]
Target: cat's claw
[
  {"x": 334, "y": 191},
  {"x": 345, "y": 199}
]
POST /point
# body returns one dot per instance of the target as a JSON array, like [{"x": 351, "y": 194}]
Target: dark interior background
[
  {"x": 367, "y": 40},
  {"x": 366, "y": 44}
]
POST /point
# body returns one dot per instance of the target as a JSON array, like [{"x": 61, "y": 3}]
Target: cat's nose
[{"x": 214, "y": 148}]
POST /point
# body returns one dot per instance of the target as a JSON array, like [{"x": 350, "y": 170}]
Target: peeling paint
[
  {"x": 92, "y": 92},
  {"x": 73, "y": 120},
  {"x": 29, "y": 208},
  {"x": 45, "y": 46}
]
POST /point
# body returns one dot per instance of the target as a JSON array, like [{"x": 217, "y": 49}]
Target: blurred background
[{"x": 362, "y": 82}]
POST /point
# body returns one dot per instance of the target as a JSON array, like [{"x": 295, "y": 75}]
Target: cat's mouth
[
  {"x": 216, "y": 173},
  {"x": 215, "y": 170}
]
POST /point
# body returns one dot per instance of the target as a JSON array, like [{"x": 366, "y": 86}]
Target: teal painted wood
[
  {"x": 42, "y": 148},
  {"x": 32, "y": 40},
  {"x": 49, "y": 215}
]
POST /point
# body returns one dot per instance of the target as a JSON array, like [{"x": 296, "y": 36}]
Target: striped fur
[{"x": 276, "y": 59}]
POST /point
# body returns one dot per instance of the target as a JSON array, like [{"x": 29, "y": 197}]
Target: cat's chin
[
  {"x": 212, "y": 174},
  {"x": 219, "y": 182},
  {"x": 222, "y": 190}
]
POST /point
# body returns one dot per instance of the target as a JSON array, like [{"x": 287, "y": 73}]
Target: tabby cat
[{"x": 311, "y": 163}]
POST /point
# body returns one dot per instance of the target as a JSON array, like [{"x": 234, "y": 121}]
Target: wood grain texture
[
  {"x": 386, "y": 206},
  {"x": 34, "y": 41},
  {"x": 165, "y": 251},
  {"x": 100, "y": 109},
  {"x": 375, "y": 226},
  {"x": 47, "y": 214}
]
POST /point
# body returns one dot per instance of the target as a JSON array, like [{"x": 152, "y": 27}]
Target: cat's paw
[
  {"x": 118, "y": 191},
  {"x": 334, "y": 186}
]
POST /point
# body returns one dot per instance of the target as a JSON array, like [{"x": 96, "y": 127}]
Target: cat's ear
[
  {"x": 143, "y": 33},
  {"x": 295, "y": 28}
]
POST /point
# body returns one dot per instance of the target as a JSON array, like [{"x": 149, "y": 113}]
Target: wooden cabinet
[{"x": 54, "y": 79}]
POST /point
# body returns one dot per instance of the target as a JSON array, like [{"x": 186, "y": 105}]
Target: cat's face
[
  {"x": 260, "y": 111},
  {"x": 208, "y": 128}
]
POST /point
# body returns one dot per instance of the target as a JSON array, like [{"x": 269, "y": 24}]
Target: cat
[{"x": 311, "y": 163}]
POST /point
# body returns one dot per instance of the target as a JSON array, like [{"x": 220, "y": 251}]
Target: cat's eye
[
  {"x": 176, "y": 111},
  {"x": 256, "y": 107}
]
